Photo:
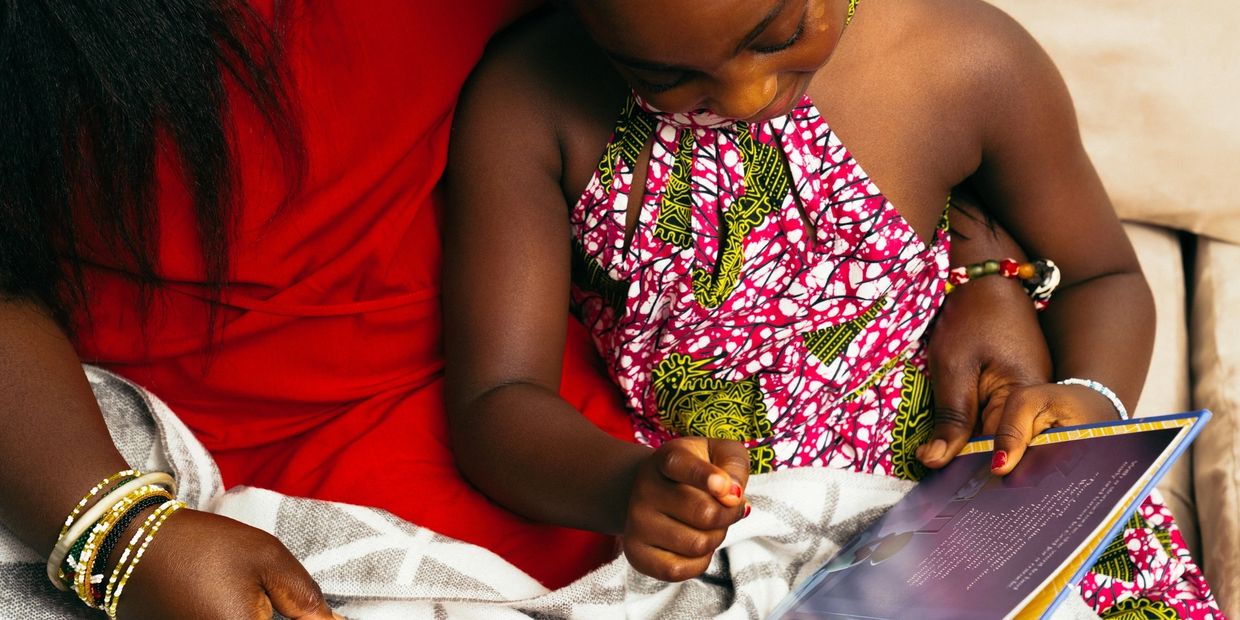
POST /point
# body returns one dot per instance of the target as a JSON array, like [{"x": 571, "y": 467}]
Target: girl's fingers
[
  {"x": 1025, "y": 414},
  {"x": 733, "y": 458},
  {"x": 676, "y": 553},
  {"x": 688, "y": 461},
  {"x": 662, "y": 564},
  {"x": 1027, "y": 411},
  {"x": 697, "y": 509}
]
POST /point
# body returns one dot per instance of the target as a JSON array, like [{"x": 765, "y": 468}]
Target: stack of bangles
[
  {"x": 1039, "y": 277},
  {"x": 90, "y": 535}
]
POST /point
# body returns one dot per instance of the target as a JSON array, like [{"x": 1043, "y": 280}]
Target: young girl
[{"x": 761, "y": 298}]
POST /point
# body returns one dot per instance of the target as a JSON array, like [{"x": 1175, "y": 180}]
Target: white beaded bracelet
[{"x": 1101, "y": 389}]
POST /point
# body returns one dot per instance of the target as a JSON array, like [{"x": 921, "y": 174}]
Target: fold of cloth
[{"x": 372, "y": 565}]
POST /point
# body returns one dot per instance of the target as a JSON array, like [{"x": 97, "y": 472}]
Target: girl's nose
[{"x": 745, "y": 95}]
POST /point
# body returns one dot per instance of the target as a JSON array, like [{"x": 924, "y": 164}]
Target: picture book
[{"x": 965, "y": 543}]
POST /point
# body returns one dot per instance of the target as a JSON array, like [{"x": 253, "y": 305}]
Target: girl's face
[{"x": 742, "y": 59}]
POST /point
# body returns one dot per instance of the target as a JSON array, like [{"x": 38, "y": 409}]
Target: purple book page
[{"x": 966, "y": 544}]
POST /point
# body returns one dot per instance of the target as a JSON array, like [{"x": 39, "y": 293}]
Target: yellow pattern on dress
[
  {"x": 913, "y": 425},
  {"x": 1140, "y": 609},
  {"x": 1116, "y": 561},
  {"x": 827, "y": 343},
  {"x": 676, "y": 208},
  {"x": 692, "y": 403},
  {"x": 766, "y": 187},
  {"x": 633, "y": 132}
]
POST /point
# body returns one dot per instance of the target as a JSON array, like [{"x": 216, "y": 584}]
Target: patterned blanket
[{"x": 372, "y": 565}]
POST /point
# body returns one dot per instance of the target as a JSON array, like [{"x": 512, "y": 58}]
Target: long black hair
[{"x": 90, "y": 90}]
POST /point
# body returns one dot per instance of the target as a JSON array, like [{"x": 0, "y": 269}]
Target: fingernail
[
  {"x": 998, "y": 460},
  {"x": 935, "y": 450},
  {"x": 736, "y": 489},
  {"x": 748, "y": 509}
]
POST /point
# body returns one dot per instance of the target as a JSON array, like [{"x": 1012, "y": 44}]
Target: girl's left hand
[{"x": 1016, "y": 415}]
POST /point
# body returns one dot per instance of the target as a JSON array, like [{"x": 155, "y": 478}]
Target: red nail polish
[
  {"x": 736, "y": 489},
  {"x": 998, "y": 460},
  {"x": 748, "y": 509}
]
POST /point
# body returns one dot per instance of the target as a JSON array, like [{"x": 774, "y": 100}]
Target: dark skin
[
  {"x": 927, "y": 94},
  {"x": 201, "y": 565}
]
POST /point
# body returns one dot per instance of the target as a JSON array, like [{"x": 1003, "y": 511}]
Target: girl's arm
[
  {"x": 1040, "y": 184},
  {"x": 986, "y": 339},
  {"x": 506, "y": 299}
]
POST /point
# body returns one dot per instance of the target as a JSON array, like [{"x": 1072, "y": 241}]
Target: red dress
[{"x": 326, "y": 380}]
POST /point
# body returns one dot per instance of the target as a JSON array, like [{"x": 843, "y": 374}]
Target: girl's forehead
[{"x": 677, "y": 32}]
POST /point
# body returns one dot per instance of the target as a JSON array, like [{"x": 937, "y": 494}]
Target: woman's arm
[
  {"x": 55, "y": 447},
  {"x": 1041, "y": 186}
]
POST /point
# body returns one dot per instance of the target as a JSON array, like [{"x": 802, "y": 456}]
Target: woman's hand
[
  {"x": 985, "y": 343},
  {"x": 684, "y": 498},
  {"x": 1017, "y": 414},
  {"x": 206, "y": 566}
]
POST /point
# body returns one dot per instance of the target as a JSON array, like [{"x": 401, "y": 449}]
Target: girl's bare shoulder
[
  {"x": 545, "y": 68},
  {"x": 546, "y": 93}
]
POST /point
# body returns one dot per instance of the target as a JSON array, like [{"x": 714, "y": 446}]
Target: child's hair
[{"x": 89, "y": 93}]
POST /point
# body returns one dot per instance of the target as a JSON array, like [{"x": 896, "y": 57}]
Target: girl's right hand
[
  {"x": 684, "y": 498},
  {"x": 202, "y": 565}
]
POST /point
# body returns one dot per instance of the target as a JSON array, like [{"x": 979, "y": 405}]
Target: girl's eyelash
[
  {"x": 660, "y": 87},
  {"x": 796, "y": 36}
]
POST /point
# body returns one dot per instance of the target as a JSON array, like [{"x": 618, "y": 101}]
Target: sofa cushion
[
  {"x": 1216, "y": 454},
  {"x": 1167, "y": 387},
  {"x": 1155, "y": 86}
]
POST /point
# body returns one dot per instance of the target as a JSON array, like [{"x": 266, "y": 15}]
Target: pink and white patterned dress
[{"x": 770, "y": 293}]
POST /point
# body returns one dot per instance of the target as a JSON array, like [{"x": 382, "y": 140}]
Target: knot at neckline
[{"x": 697, "y": 119}]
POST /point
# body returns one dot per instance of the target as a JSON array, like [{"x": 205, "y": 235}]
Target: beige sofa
[{"x": 1157, "y": 87}]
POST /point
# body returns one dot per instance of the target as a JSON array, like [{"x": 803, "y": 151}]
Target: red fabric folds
[{"x": 326, "y": 377}]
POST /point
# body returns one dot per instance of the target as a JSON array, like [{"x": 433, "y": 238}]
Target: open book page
[{"x": 967, "y": 544}]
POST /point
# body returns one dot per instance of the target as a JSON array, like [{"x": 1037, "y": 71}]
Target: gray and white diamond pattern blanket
[{"x": 372, "y": 565}]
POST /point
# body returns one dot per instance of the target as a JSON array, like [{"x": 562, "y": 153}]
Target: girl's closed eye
[
  {"x": 663, "y": 82},
  {"x": 788, "y": 42},
  {"x": 779, "y": 47}
]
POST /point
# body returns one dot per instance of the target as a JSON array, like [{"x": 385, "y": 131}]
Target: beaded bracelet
[
  {"x": 82, "y": 573},
  {"x": 1039, "y": 277},
  {"x": 164, "y": 513},
  {"x": 113, "y": 537},
  {"x": 80, "y": 528},
  {"x": 108, "y": 593},
  {"x": 55, "y": 559},
  {"x": 1101, "y": 389},
  {"x": 80, "y": 532}
]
